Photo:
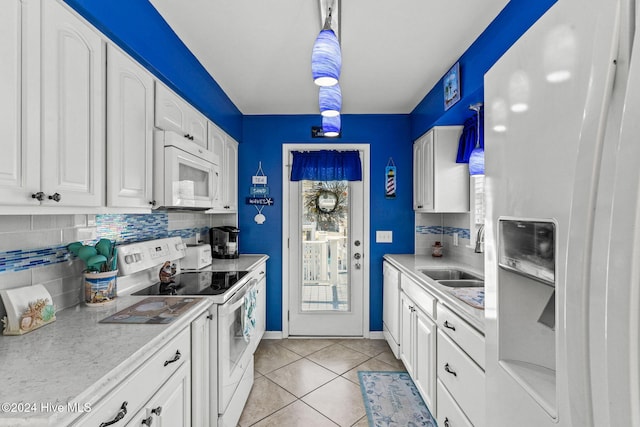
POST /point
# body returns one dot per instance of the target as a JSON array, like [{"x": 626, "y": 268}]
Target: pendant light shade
[
  {"x": 331, "y": 126},
  {"x": 330, "y": 100},
  {"x": 476, "y": 161},
  {"x": 326, "y": 59}
]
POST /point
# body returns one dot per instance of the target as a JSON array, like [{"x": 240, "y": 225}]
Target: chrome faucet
[{"x": 480, "y": 240}]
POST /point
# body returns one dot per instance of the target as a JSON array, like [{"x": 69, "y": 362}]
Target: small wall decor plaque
[
  {"x": 390, "y": 179},
  {"x": 259, "y": 194},
  {"x": 28, "y": 308},
  {"x": 451, "y": 82}
]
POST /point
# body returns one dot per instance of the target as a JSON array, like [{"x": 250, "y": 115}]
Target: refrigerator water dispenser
[{"x": 526, "y": 306}]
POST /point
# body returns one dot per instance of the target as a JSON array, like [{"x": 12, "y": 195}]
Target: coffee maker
[{"x": 224, "y": 242}]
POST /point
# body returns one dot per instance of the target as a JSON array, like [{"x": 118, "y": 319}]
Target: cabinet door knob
[
  {"x": 152, "y": 203},
  {"x": 449, "y": 370},
  {"x": 56, "y": 197},
  {"x": 120, "y": 415},
  {"x": 446, "y": 422},
  {"x": 449, "y": 325},
  {"x": 157, "y": 411},
  {"x": 210, "y": 317},
  {"x": 175, "y": 358},
  {"x": 147, "y": 421},
  {"x": 39, "y": 196}
]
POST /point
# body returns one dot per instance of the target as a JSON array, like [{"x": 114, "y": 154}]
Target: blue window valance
[
  {"x": 469, "y": 137},
  {"x": 326, "y": 165}
]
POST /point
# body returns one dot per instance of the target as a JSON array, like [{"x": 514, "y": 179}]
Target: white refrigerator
[{"x": 562, "y": 262}]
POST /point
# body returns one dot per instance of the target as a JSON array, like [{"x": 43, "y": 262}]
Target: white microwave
[{"x": 185, "y": 174}]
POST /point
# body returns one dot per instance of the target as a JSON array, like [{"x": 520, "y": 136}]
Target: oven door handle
[{"x": 236, "y": 301}]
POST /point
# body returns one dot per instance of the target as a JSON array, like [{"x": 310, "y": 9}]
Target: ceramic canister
[{"x": 100, "y": 288}]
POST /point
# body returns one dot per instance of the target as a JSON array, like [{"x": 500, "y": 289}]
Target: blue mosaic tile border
[
  {"x": 463, "y": 233},
  {"x": 133, "y": 228},
  {"x": 19, "y": 260},
  {"x": 121, "y": 229}
]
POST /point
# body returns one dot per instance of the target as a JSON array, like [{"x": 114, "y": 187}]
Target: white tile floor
[{"x": 313, "y": 382}]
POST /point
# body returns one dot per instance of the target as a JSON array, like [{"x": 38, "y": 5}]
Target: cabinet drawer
[
  {"x": 462, "y": 378},
  {"x": 470, "y": 340},
  {"x": 420, "y": 296},
  {"x": 142, "y": 383},
  {"x": 449, "y": 413}
]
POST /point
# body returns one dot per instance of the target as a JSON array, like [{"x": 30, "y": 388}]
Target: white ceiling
[{"x": 393, "y": 52}]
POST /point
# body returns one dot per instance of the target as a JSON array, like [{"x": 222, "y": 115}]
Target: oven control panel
[{"x": 143, "y": 255}]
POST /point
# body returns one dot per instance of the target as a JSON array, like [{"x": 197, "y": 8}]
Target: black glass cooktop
[{"x": 196, "y": 283}]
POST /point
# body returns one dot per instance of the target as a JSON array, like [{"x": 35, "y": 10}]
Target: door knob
[{"x": 357, "y": 255}]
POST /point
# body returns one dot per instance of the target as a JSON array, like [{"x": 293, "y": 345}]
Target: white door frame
[{"x": 286, "y": 168}]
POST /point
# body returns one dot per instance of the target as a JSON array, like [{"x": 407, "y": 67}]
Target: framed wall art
[{"x": 451, "y": 84}]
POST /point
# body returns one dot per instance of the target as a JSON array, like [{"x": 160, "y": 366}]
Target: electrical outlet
[
  {"x": 455, "y": 239},
  {"x": 384, "y": 236}
]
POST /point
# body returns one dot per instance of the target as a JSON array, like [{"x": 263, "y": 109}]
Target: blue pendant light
[
  {"x": 330, "y": 100},
  {"x": 331, "y": 126},
  {"x": 326, "y": 58},
  {"x": 476, "y": 159}
]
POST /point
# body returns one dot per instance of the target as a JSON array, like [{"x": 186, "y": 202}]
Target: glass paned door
[
  {"x": 325, "y": 250},
  {"x": 325, "y": 257}
]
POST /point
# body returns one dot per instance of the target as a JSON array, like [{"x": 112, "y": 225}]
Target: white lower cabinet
[
  {"x": 203, "y": 362},
  {"x": 261, "y": 304},
  {"x": 391, "y": 306},
  {"x": 462, "y": 378},
  {"x": 449, "y": 413},
  {"x": 418, "y": 340},
  {"x": 154, "y": 383},
  {"x": 171, "y": 405}
]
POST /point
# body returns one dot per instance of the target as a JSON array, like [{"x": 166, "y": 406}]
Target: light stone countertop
[
  {"x": 411, "y": 265},
  {"x": 77, "y": 360}
]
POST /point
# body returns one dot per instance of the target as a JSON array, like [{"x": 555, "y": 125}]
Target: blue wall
[
  {"x": 506, "y": 28},
  {"x": 388, "y": 136},
  {"x": 138, "y": 28}
]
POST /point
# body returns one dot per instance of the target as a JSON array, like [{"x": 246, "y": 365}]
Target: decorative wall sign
[
  {"x": 390, "y": 179},
  {"x": 259, "y": 194},
  {"x": 259, "y": 191},
  {"x": 263, "y": 201},
  {"x": 451, "y": 82}
]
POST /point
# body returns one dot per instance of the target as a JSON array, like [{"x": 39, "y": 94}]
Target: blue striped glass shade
[
  {"x": 330, "y": 100},
  {"x": 331, "y": 126},
  {"x": 326, "y": 59},
  {"x": 476, "y": 162}
]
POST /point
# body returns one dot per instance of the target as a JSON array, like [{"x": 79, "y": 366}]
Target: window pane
[{"x": 325, "y": 249}]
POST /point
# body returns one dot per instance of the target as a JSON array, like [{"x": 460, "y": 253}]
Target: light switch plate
[{"x": 384, "y": 236}]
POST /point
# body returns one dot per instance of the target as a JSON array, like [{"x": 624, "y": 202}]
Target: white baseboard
[
  {"x": 376, "y": 335},
  {"x": 272, "y": 335},
  {"x": 277, "y": 335}
]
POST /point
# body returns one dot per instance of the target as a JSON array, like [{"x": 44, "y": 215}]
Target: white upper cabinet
[
  {"x": 20, "y": 161},
  {"x": 73, "y": 116},
  {"x": 230, "y": 187},
  {"x": 439, "y": 183},
  {"x": 217, "y": 143},
  {"x": 129, "y": 132},
  {"x": 225, "y": 149},
  {"x": 174, "y": 113},
  {"x": 53, "y": 76}
]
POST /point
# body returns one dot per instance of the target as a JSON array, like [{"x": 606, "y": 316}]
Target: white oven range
[{"x": 232, "y": 343}]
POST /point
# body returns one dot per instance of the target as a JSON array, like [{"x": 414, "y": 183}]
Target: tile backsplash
[
  {"x": 441, "y": 227},
  {"x": 33, "y": 249}
]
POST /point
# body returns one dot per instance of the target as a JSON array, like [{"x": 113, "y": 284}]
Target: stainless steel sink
[
  {"x": 462, "y": 283},
  {"x": 449, "y": 274}
]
